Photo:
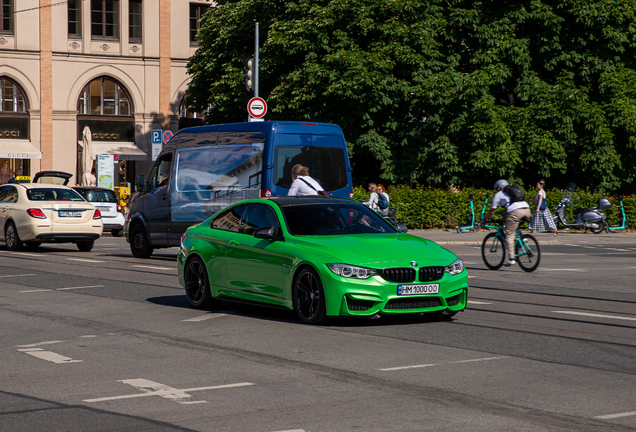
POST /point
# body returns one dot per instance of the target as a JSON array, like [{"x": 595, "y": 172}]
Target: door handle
[
  {"x": 234, "y": 242},
  {"x": 164, "y": 196}
]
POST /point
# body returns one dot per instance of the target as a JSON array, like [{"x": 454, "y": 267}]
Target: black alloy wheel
[
  {"x": 85, "y": 246},
  {"x": 11, "y": 237},
  {"x": 197, "y": 285},
  {"x": 309, "y": 297},
  {"x": 493, "y": 251},
  {"x": 530, "y": 261},
  {"x": 139, "y": 242}
]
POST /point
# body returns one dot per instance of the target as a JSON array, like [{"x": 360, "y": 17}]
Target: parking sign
[{"x": 156, "y": 143}]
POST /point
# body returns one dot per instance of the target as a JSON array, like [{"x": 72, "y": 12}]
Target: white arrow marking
[{"x": 151, "y": 388}]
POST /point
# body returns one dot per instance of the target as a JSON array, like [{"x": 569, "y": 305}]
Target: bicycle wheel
[
  {"x": 493, "y": 251},
  {"x": 529, "y": 255}
]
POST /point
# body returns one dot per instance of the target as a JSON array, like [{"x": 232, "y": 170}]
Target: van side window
[
  {"x": 160, "y": 173},
  {"x": 228, "y": 220},
  {"x": 326, "y": 165}
]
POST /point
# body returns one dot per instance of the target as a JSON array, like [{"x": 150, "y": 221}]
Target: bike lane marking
[
  {"x": 151, "y": 388},
  {"x": 595, "y": 315}
]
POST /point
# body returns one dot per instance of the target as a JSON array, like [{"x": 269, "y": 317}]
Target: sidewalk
[{"x": 564, "y": 237}]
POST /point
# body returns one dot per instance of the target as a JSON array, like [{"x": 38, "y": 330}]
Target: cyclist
[{"x": 515, "y": 211}]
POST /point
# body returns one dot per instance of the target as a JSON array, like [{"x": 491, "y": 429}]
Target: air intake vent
[
  {"x": 398, "y": 274},
  {"x": 454, "y": 300},
  {"x": 359, "y": 305},
  {"x": 413, "y": 303},
  {"x": 430, "y": 274}
]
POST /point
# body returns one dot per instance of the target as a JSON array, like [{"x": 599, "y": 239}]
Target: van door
[{"x": 157, "y": 201}]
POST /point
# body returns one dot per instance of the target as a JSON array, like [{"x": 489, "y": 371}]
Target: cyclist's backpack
[
  {"x": 515, "y": 193},
  {"x": 382, "y": 201}
]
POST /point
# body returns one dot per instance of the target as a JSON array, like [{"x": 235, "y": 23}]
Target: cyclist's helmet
[{"x": 501, "y": 184}]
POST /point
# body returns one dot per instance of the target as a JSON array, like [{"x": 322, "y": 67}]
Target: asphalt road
[{"x": 102, "y": 341}]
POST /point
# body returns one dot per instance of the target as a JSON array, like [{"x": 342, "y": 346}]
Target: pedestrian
[
  {"x": 372, "y": 202},
  {"x": 383, "y": 200},
  {"x": 542, "y": 220},
  {"x": 303, "y": 184}
]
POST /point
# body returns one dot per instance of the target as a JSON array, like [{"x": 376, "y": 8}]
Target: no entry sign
[{"x": 257, "y": 107}]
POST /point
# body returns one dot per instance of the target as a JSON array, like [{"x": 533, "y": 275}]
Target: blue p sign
[{"x": 156, "y": 136}]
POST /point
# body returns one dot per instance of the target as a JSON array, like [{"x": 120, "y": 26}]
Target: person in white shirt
[
  {"x": 514, "y": 213},
  {"x": 303, "y": 184},
  {"x": 372, "y": 202}
]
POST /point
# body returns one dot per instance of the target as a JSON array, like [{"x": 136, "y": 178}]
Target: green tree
[{"x": 440, "y": 91}]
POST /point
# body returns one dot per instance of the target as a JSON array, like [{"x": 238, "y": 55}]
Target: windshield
[
  {"x": 53, "y": 194},
  {"x": 334, "y": 219}
]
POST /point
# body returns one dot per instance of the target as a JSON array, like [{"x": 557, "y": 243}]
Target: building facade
[{"x": 116, "y": 66}]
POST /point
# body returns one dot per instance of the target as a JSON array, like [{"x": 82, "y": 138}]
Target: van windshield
[{"x": 326, "y": 165}]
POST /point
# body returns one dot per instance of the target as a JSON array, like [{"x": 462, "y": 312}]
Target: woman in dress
[{"x": 542, "y": 220}]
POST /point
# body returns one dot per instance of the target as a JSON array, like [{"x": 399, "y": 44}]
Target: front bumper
[{"x": 368, "y": 297}]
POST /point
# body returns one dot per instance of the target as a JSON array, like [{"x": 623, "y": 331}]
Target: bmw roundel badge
[{"x": 413, "y": 263}]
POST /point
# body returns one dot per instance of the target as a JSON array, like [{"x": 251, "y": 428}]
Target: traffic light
[{"x": 248, "y": 72}]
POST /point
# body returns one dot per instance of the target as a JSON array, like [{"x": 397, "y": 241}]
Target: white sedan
[{"x": 33, "y": 213}]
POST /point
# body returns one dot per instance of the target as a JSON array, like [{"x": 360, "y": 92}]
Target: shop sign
[
  {"x": 14, "y": 128},
  {"x": 108, "y": 129}
]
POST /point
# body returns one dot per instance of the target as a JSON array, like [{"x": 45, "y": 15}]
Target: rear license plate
[
  {"x": 418, "y": 289},
  {"x": 63, "y": 213}
]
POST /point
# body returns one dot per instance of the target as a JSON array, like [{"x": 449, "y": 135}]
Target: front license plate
[
  {"x": 418, "y": 289},
  {"x": 70, "y": 213}
]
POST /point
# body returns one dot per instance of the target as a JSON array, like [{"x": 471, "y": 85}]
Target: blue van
[{"x": 202, "y": 170}]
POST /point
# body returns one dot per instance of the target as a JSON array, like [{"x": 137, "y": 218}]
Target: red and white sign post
[{"x": 257, "y": 108}]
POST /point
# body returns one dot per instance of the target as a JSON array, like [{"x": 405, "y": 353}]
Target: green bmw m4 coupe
[{"x": 321, "y": 257}]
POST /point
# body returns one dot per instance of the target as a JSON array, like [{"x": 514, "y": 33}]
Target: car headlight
[
  {"x": 349, "y": 271},
  {"x": 456, "y": 267}
]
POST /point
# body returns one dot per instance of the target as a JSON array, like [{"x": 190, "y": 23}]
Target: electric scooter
[
  {"x": 480, "y": 224},
  {"x": 471, "y": 218},
  {"x": 590, "y": 217},
  {"x": 622, "y": 223}
]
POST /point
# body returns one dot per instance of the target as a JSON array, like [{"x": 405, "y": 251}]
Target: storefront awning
[
  {"x": 124, "y": 150},
  {"x": 18, "y": 149}
]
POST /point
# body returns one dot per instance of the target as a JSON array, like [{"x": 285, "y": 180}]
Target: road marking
[
  {"x": 10, "y": 276},
  {"x": 293, "y": 430},
  {"x": 38, "y": 290},
  {"x": 72, "y": 288},
  {"x": 613, "y": 416},
  {"x": 84, "y": 260},
  {"x": 155, "y": 268},
  {"x": 89, "y": 336},
  {"x": 572, "y": 270},
  {"x": 24, "y": 253},
  {"x": 589, "y": 247},
  {"x": 442, "y": 364},
  {"x": 620, "y": 250},
  {"x": 151, "y": 388},
  {"x": 48, "y": 355},
  {"x": 477, "y": 302},
  {"x": 595, "y": 315},
  {"x": 38, "y": 344},
  {"x": 471, "y": 277},
  {"x": 205, "y": 317}
]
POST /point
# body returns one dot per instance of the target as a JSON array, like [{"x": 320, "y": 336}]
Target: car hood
[{"x": 379, "y": 250}]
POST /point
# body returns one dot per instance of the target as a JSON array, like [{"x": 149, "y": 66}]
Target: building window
[
  {"x": 12, "y": 98},
  {"x": 104, "y": 96},
  {"x": 134, "y": 20},
  {"x": 196, "y": 12},
  {"x": 6, "y": 23},
  {"x": 104, "y": 18},
  {"x": 74, "y": 18}
]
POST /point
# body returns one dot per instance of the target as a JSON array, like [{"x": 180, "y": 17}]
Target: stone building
[{"x": 117, "y": 66}]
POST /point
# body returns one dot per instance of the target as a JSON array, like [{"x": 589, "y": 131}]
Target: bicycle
[{"x": 527, "y": 251}]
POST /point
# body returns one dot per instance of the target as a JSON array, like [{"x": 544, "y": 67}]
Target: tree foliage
[{"x": 452, "y": 91}]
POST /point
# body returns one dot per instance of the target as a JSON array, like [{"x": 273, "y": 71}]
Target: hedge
[{"x": 431, "y": 208}]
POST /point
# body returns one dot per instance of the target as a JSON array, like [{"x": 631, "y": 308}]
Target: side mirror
[
  {"x": 401, "y": 227},
  {"x": 140, "y": 183},
  {"x": 268, "y": 233}
]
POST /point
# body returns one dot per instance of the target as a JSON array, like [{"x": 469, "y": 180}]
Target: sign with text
[
  {"x": 156, "y": 135},
  {"x": 105, "y": 170}
]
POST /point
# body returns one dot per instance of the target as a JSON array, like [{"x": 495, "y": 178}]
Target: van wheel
[
  {"x": 139, "y": 242},
  {"x": 11, "y": 237}
]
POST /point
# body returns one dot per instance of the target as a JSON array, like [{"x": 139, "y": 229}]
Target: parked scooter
[
  {"x": 622, "y": 222},
  {"x": 590, "y": 217},
  {"x": 471, "y": 218},
  {"x": 481, "y": 224}
]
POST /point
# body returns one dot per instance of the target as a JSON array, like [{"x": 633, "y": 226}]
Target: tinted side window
[
  {"x": 228, "y": 220},
  {"x": 257, "y": 216},
  {"x": 160, "y": 173},
  {"x": 326, "y": 164}
]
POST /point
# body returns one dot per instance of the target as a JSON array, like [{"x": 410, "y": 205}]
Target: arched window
[
  {"x": 103, "y": 96},
  {"x": 12, "y": 97}
]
